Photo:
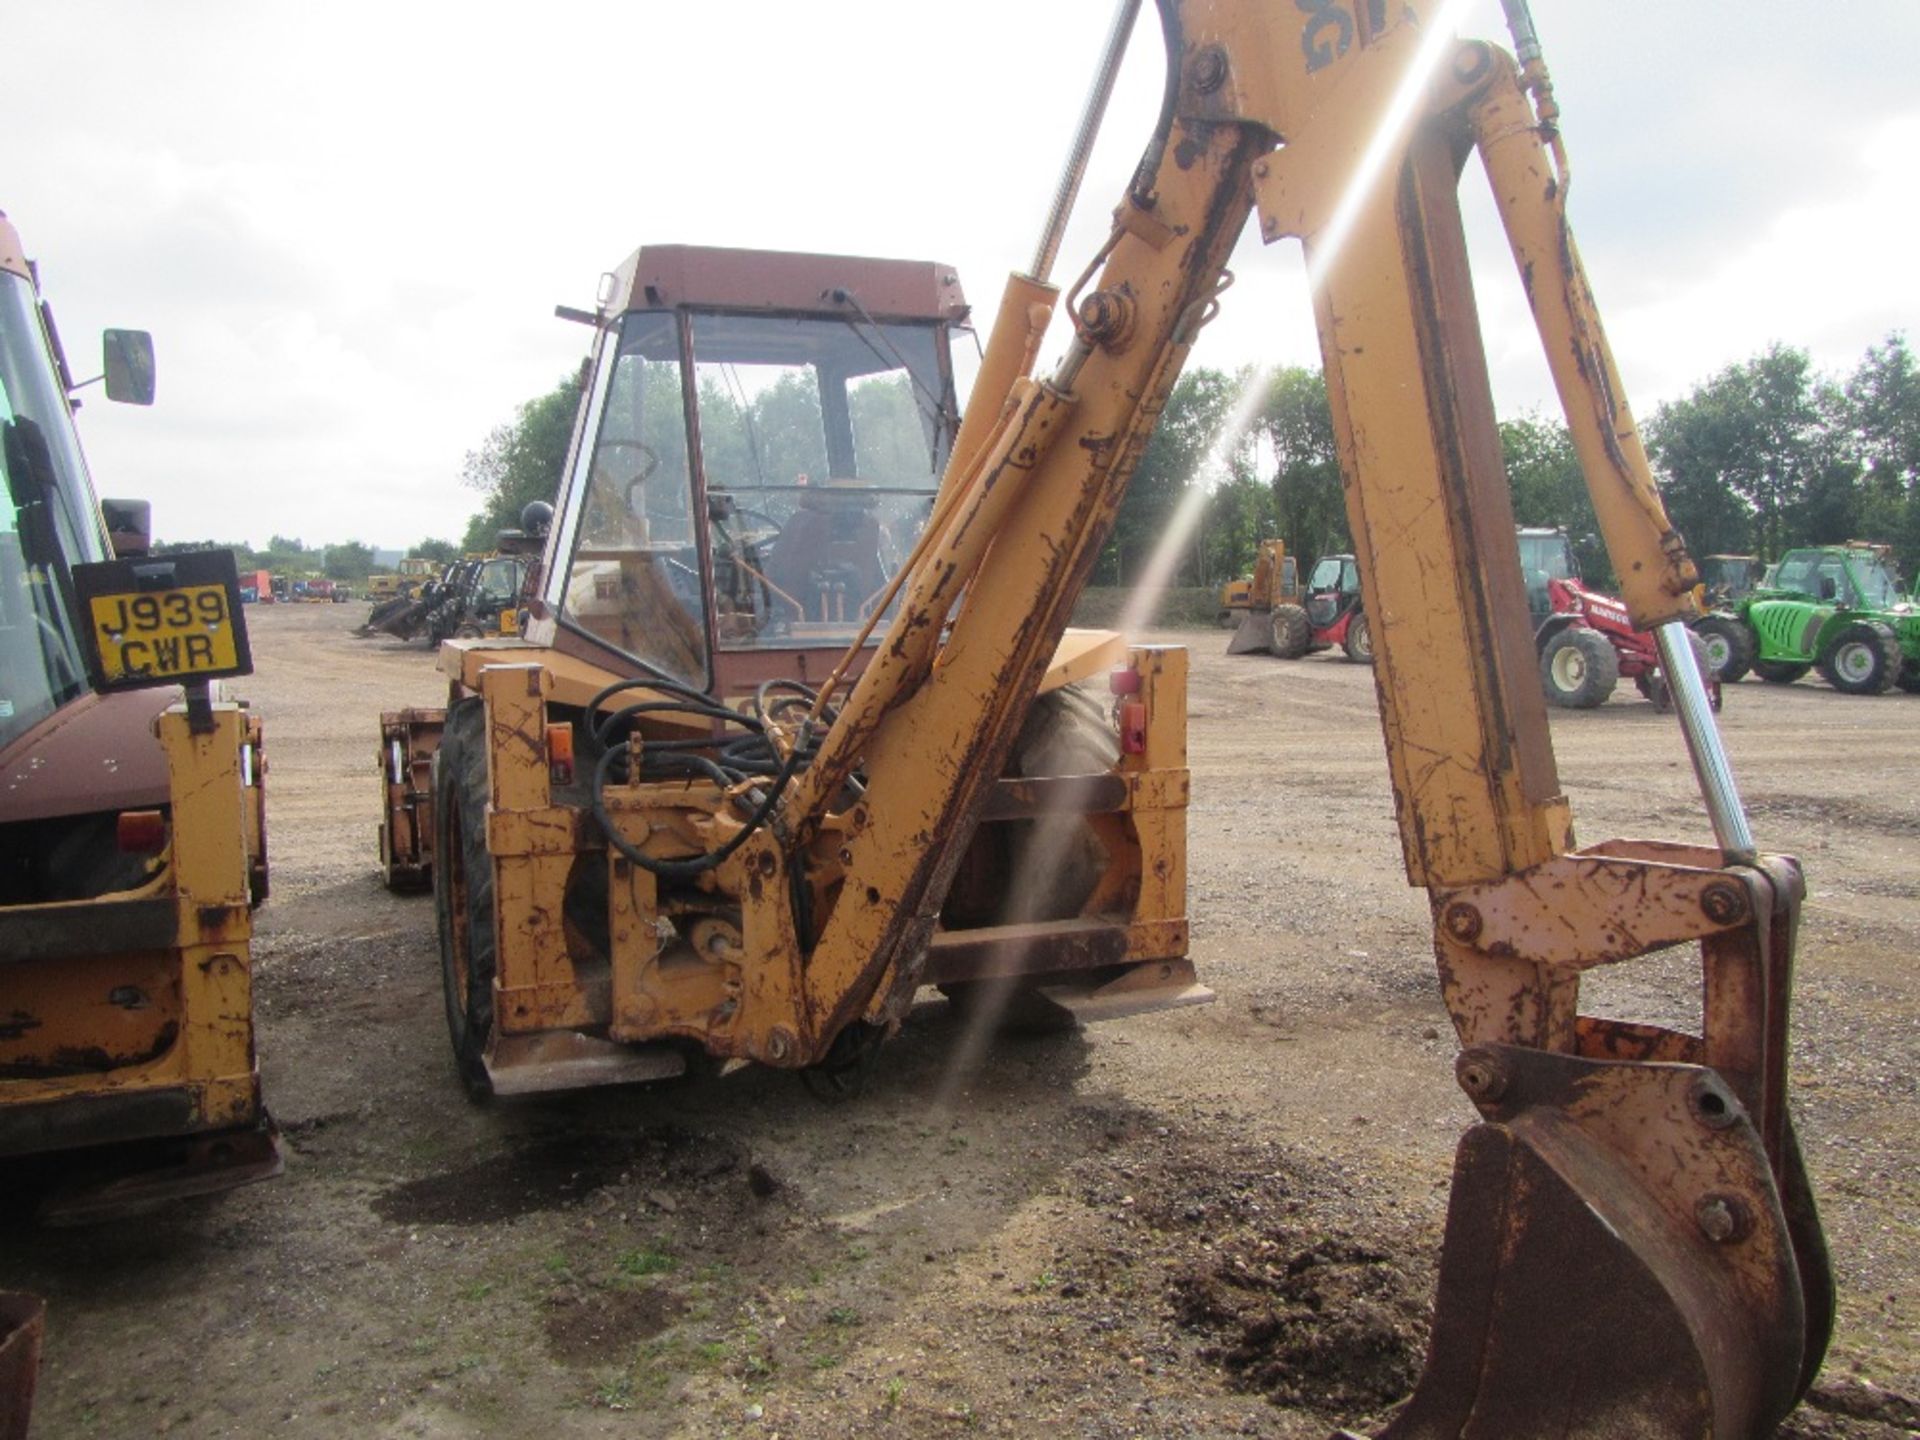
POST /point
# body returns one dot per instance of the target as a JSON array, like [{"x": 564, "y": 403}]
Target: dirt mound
[
  {"x": 589, "y": 1326},
  {"x": 1333, "y": 1327}
]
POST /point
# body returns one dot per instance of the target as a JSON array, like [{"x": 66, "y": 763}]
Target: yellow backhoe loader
[
  {"x": 132, "y": 828},
  {"x": 630, "y": 872}
]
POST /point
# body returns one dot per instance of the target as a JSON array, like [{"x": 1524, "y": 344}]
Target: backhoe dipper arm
[{"x": 1631, "y": 1246}]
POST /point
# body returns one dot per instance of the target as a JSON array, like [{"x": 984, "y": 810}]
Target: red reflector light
[
  {"x": 1124, "y": 680},
  {"x": 141, "y": 832},
  {"x": 1133, "y": 727},
  {"x": 560, "y": 754}
]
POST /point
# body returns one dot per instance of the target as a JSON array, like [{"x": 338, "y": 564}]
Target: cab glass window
[
  {"x": 46, "y": 523},
  {"x": 633, "y": 578},
  {"x": 822, "y": 442}
]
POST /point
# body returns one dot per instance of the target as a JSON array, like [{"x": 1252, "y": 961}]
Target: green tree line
[
  {"x": 351, "y": 561},
  {"x": 1764, "y": 455}
]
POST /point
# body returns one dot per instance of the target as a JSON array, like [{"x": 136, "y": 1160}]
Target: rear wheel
[
  {"x": 1578, "y": 669},
  {"x": 1862, "y": 659},
  {"x": 1359, "y": 641},
  {"x": 1780, "y": 672},
  {"x": 1730, "y": 646},
  {"x": 463, "y": 890},
  {"x": 1909, "y": 677},
  {"x": 1292, "y": 632}
]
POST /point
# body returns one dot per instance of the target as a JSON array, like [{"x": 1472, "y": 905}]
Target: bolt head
[
  {"x": 1482, "y": 1074},
  {"x": 1723, "y": 1219},
  {"x": 1209, "y": 70},
  {"x": 1723, "y": 902},
  {"x": 1462, "y": 921}
]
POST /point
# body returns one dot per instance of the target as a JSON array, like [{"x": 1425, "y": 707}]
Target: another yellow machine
[
  {"x": 132, "y": 830},
  {"x": 737, "y": 533},
  {"x": 1268, "y": 611},
  {"x": 1276, "y": 575},
  {"x": 629, "y": 870}
]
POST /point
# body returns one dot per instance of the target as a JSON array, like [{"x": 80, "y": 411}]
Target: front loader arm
[{"x": 1632, "y": 1247}]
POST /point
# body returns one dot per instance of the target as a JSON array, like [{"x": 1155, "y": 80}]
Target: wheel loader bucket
[
  {"x": 1619, "y": 1262},
  {"x": 1255, "y": 634},
  {"x": 21, "y": 1319}
]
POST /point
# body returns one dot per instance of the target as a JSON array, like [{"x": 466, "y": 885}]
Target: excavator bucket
[
  {"x": 21, "y": 1319},
  {"x": 1618, "y": 1262},
  {"x": 400, "y": 617},
  {"x": 1254, "y": 635}
]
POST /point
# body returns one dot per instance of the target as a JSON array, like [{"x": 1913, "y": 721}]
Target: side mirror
[
  {"x": 129, "y": 527},
  {"x": 129, "y": 365}
]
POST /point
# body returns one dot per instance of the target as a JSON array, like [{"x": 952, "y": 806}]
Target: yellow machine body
[
  {"x": 1632, "y": 1245},
  {"x": 132, "y": 838}
]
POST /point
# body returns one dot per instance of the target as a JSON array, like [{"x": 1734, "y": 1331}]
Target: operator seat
[{"x": 827, "y": 555}]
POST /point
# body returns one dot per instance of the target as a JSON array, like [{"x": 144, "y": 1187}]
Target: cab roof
[
  {"x": 658, "y": 277},
  {"x": 13, "y": 255}
]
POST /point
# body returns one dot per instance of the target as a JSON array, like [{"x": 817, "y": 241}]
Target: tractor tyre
[
  {"x": 1730, "y": 646},
  {"x": 1359, "y": 641},
  {"x": 1909, "y": 677},
  {"x": 1292, "y": 632},
  {"x": 1862, "y": 660},
  {"x": 463, "y": 890},
  {"x": 1578, "y": 668},
  {"x": 1780, "y": 672}
]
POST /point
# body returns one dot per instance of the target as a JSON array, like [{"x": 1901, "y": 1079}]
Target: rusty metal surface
[
  {"x": 1617, "y": 1262},
  {"x": 96, "y": 1118},
  {"x": 22, "y": 1320},
  {"x": 78, "y": 928},
  {"x": 570, "y": 1060},
  {"x": 406, "y": 815},
  {"x": 145, "y": 1178},
  {"x": 1008, "y": 950}
]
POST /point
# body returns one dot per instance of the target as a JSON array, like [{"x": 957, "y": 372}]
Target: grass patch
[{"x": 647, "y": 1260}]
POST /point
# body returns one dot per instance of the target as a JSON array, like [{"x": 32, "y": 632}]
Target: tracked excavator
[{"x": 635, "y": 867}]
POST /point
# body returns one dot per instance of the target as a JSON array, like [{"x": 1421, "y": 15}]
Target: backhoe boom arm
[{"x": 1626, "y": 1179}]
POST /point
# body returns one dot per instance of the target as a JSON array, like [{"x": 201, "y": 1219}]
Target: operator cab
[
  {"x": 1333, "y": 588},
  {"x": 1545, "y": 556},
  {"x": 1856, "y": 577},
  {"x": 759, "y": 448},
  {"x": 48, "y": 520}
]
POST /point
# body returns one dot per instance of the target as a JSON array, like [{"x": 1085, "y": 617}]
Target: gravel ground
[{"x": 1211, "y": 1222}]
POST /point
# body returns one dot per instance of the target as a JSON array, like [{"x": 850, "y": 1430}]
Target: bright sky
[{"x": 347, "y": 225}]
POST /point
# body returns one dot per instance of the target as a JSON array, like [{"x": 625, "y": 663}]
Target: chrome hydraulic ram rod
[
  {"x": 1075, "y": 170},
  {"x": 1724, "y": 810}
]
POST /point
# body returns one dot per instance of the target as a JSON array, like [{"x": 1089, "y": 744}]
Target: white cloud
[
  {"x": 347, "y": 225},
  {"x": 1830, "y": 277}
]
